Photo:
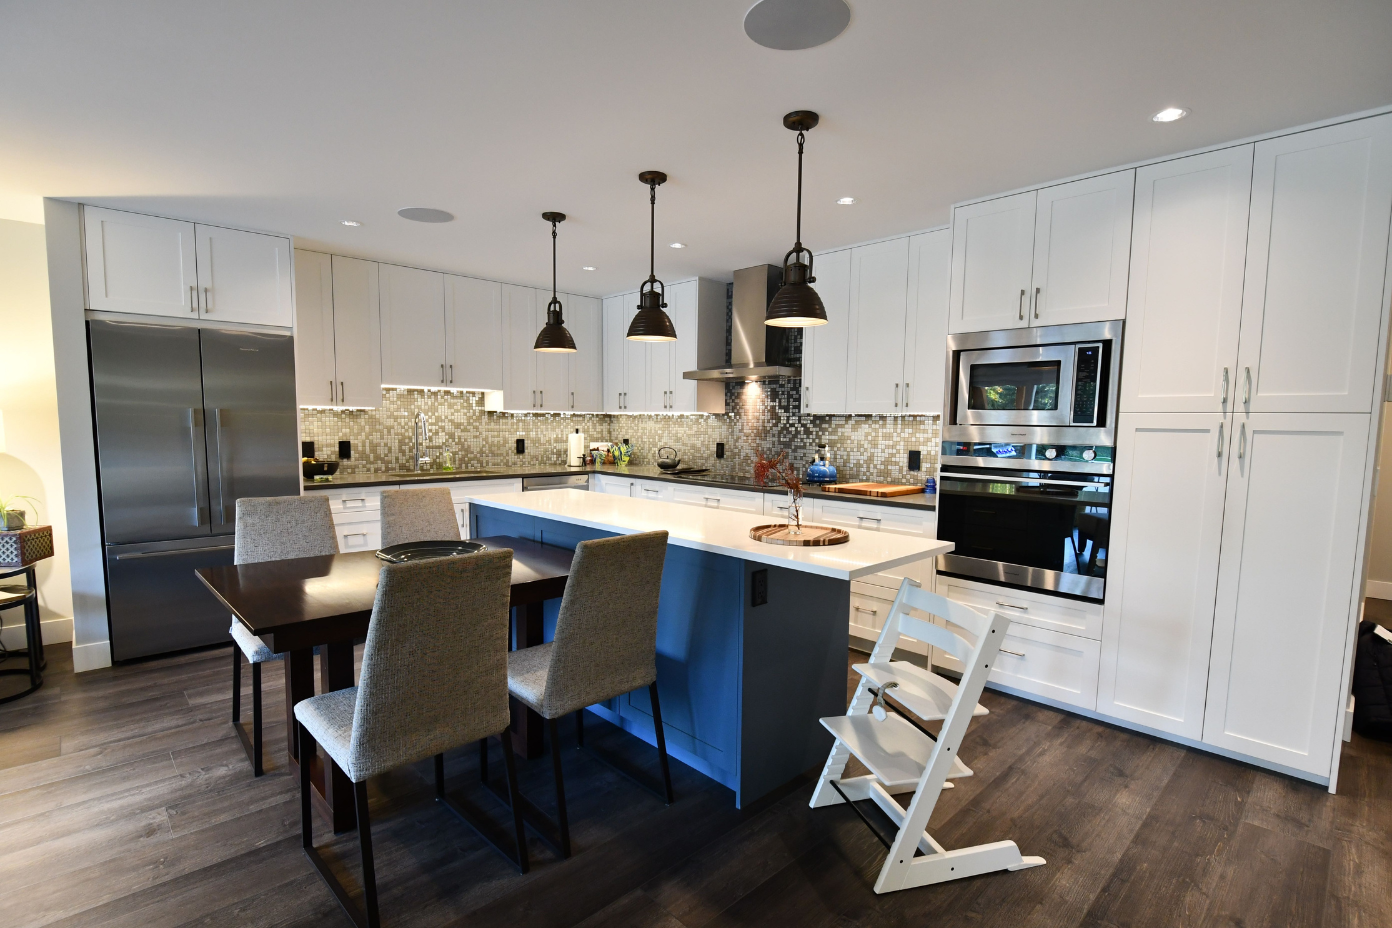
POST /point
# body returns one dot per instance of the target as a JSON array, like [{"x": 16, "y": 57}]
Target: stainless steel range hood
[{"x": 757, "y": 351}]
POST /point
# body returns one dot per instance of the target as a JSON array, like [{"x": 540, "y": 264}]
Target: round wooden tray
[{"x": 812, "y": 535}]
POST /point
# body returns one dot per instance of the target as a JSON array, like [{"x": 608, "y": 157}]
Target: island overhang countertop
[{"x": 720, "y": 532}]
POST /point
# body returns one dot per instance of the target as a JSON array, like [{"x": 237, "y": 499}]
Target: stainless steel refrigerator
[{"x": 188, "y": 421}]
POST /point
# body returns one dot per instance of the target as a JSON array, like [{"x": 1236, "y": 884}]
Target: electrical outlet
[
  {"x": 521, "y": 446},
  {"x": 719, "y": 449},
  {"x": 758, "y": 587},
  {"x": 306, "y": 449},
  {"x": 915, "y": 460},
  {"x": 345, "y": 450}
]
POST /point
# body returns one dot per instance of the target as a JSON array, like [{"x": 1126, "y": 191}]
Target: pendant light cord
[
  {"x": 553, "y": 260},
  {"x": 652, "y": 232},
  {"x": 797, "y": 246}
]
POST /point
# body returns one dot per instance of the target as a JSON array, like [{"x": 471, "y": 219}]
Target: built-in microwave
[{"x": 1045, "y": 385}]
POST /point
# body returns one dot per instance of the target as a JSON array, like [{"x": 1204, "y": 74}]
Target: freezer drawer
[{"x": 156, "y": 604}]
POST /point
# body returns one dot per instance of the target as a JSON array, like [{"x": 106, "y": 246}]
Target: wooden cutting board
[{"x": 872, "y": 489}]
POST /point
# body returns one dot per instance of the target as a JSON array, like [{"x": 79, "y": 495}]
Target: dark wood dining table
[{"x": 326, "y": 602}]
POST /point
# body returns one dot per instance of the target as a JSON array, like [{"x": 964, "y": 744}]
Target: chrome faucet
[{"x": 420, "y": 429}]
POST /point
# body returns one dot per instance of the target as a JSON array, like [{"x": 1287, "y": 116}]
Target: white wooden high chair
[{"x": 902, "y": 754}]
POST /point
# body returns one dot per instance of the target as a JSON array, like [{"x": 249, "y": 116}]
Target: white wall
[
  {"x": 32, "y": 463},
  {"x": 1380, "y": 544}
]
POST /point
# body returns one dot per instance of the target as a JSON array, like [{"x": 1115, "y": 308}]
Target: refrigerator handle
[
  {"x": 217, "y": 438},
  {"x": 200, "y": 484}
]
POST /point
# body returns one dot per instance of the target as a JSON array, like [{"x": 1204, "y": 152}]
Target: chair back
[
  {"x": 606, "y": 632},
  {"x": 434, "y": 669},
  {"x": 423, "y": 514},
  {"x": 276, "y": 528},
  {"x": 902, "y": 621}
]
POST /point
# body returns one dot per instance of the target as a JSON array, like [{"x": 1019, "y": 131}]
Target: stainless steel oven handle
[
  {"x": 998, "y": 479},
  {"x": 1012, "y": 606}
]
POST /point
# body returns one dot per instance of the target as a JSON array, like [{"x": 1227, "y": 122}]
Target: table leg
[
  {"x": 332, "y": 800},
  {"x": 527, "y": 725}
]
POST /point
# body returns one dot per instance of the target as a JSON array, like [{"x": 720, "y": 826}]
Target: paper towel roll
[{"x": 575, "y": 449}]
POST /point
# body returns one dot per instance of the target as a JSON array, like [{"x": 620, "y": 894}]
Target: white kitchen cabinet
[
  {"x": 824, "y": 346},
  {"x": 474, "y": 324},
  {"x": 1082, "y": 242},
  {"x": 1044, "y": 663},
  {"x": 584, "y": 318},
  {"x": 718, "y": 498},
  {"x": 358, "y": 534},
  {"x": 625, "y": 362},
  {"x": 925, "y": 331},
  {"x": 879, "y": 302},
  {"x": 872, "y": 517},
  {"x": 683, "y": 300},
  {"x": 652, "y": 489},
  {"x": 316, "y": 380},
  {"x": 552, "y": 367},
  {"x": 357, "y": 332},
  {"x": 660, "y": 366},
  {"x": 1167, "y": 525},
  {"x": 519, "y": 358},
  {"x": 140, "y": 264},
  {"x": 1184, "y": 308},
  {"x": 244, "y": 276},
  {"x": 614, "y": 484},
  {"x": 1286, "y": 582},
  {"x": 413, "y": 327},
  {"x": 614, "y": 320},
  {"x": 992, "y": 257},
  {"x": 1316, "y": 267},
  {"x": 1027, "y": 607}
]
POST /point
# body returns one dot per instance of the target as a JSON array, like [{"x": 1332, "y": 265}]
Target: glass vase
[{"x": 794, "y": 512}]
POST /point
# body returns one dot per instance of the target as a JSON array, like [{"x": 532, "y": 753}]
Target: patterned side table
[{"x": 19, "y": 551}]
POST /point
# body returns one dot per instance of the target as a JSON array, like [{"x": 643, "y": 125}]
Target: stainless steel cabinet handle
[
  {"x": 1242, "y": 441},
  {"x": 331, "y": 392},
  {"x": 543, "y": 398},
  {"x": 1246, "y": 386},
  {"x": 1012, "y": 606},
  {"x": 1022, "y": 303},
  {"x": 1036, "y": 302},
  {"x": 906, "y": 394},
  {"x": 1013, "y": 653},
  {"x": 896, "y": 396},
  {"x": 869, "y": 519},
  {"x": 198, "y": 511},
  {"x": 222, "y": 489},
  {"x": 193, "y": 298},
  {"x": 342, "y": 393},
  {"x": 572, "y": 399},
  {"x": 451, "y": 380},
  {"x": 1225, "y": 386},
  {"x": 863, "y": 609},
  {"x": 132, "y": 557},
  {"x": 442, "y": 373},
  {"x": 1220, "y": 439},
  {"x": 207, "y": 299},
  {"x": 534, "y": 399}
]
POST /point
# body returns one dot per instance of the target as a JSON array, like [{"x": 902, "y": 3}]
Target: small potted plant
[
  {"x": 11, "y": 515},
  {"x": 783, "y": 474}
]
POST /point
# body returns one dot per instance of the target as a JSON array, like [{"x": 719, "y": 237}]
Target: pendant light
[
  {"x": 650, "y": 323},
  {"x": 796, "y": 304},
  {"x": 554, "y": 336}
]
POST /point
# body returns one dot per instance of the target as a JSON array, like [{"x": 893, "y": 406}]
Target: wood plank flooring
[{"x": 126, "y": 802}]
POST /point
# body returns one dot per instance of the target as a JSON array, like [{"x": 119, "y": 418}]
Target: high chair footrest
[
  {"x": 922, "y": 692},
  {"x": 894, "y": 751}
]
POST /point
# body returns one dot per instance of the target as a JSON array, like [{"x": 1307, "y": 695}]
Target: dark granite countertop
[{"x": 727, "y": 480}]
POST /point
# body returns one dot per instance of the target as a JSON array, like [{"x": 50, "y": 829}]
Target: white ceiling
[{"x": 289, "y": 117}]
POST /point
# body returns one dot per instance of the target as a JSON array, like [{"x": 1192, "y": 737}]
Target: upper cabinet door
[
  {"x": 1082, "y": 239},
  {"x": 140, "y": 264},
  {"x": 1316, "y": 262},
  {"x": 357, "y": 332},
  {"x": 879, "y": 304},
  {"x": 992, "y": 254},
  {"x": 824, "y": 346},
  {"x": 552, "y": 367},
  {"x": 925, "y": 331},
  {"x": 584, "y": 319},
  {"x": 474, "y": 316},
  {"x": 1287, "y": 576},
  {"x": 413, "y": 327},
  {"x": 614, "y": 352},
  {"x": 682, "y": 302},
  {"x": 1184, "y": 308},
  {"x": 315, "y": 381},
  {"x": 244, "y": 276},
  {"x": 519, "y": 335},
  {"x": 635, "y": 362}
]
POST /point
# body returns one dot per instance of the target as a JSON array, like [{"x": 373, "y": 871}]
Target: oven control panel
[{"x": 1087, "y": 371}]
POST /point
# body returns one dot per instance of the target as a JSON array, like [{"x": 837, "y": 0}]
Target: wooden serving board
[
  {"x": 812, "y": 535},
  {"x": 873, "y": 489}
]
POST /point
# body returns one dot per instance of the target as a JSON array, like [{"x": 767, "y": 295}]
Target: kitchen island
[{"x": 751, "y": 637}]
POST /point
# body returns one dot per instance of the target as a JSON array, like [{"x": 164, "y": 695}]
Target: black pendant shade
[
  {"x": 796, "y": 304},
  {"x": 650, "y": 323},
  {"x": 554, "y": 336}
]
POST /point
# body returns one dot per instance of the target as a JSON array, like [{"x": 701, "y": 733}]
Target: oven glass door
[
  {"x": 1016, "y": 386},
  {"x": 1040, "y": 530}
]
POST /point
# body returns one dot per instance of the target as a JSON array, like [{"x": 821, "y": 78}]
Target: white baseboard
[
  {"x": 1378, "y": 589},
  {"x": 92, "y": 656},
  {"x": 54, "y": 631}
]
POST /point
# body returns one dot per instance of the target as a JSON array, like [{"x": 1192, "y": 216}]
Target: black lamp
[
  {"x": 650, "y": 323},
  {"x": 554, "y": 336},
  {"x": 796, "y": 304}
]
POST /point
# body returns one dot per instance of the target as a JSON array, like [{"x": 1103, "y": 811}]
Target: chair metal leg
[
  {"x": 661, "y": 742},
  {"x": 350, "y": 908},
  {"x": 365, "y": 843},
  {"x": 307, "y": 749},
  {"x": 257, "y": 746},
  {"x": 470, "y": 815},
  {"x": 515, "y": 800},
  {"x": 553, "y": 733},
  {"x": 618, "y": 764}
]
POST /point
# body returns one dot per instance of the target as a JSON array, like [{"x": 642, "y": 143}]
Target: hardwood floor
[{"x": 126, "y": 800}]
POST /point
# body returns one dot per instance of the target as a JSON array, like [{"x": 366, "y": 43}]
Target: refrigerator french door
[{"x": 188, "y": 420}]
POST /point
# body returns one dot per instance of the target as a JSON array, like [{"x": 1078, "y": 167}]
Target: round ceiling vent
[
  {"x": 425, "y": 214},
  {"x": 790, "y": 25}
]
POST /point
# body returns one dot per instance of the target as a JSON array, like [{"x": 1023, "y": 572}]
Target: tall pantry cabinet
[{"x": 1249, "y": 381}]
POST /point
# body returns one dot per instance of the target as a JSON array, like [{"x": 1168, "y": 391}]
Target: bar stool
[
  {"x": 13, "y": 597},
  {"x": 599, "y": 652},
  {"x": 271, "y": 528},
  {"x": 434, "y": 677},
  {"x": 425, "y": 514}
]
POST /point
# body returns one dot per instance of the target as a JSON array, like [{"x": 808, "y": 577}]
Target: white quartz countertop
[{"x": 720, "y": 531}]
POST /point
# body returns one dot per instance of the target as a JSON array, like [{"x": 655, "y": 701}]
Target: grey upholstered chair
[
  {"x": 423, "y": 514},
  {"x": 271, "y": 528},
  {"x": 434, "y": 677},
  {"x": 599, "y": 651}
]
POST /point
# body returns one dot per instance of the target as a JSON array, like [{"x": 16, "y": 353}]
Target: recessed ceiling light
[
  {"x": 1169, "y": 114},
  {"x": 351, "y": 222},
  {"x": 425, "y": 214},
  {"x": 677, "y": 245},
  {"x": 588, "y": 267},
  {"x": 846, "y": 201},
  {"x": 791, "y": 25}
]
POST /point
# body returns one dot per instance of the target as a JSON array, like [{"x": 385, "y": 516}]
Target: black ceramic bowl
[
  {"x": 314, "y": 469},
  {"x": 425, "y": 550}
]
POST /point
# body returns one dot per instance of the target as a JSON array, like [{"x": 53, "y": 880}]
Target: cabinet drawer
[
  {"x": 356, "y": 500},
  {"x": 868, "y": 613},
  {"x": 651, "y": 489},
  {"x": 358, "y": 536},
  {"x": 618, "y": 486},
  {"x": 734, "y": 500},
  {"x": 1070, "y": 616},
  {"x": 869, "y": 517},
  {"x": 1051, "y": 664}
]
